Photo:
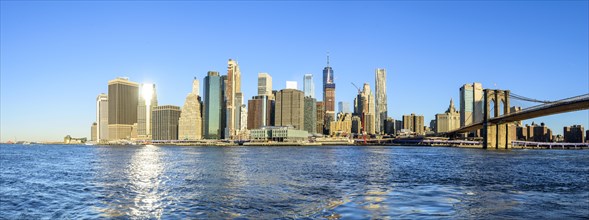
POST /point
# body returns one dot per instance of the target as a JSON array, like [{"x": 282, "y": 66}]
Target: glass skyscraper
[
  {"x": 213, "y": 114},
  {"x": 308, "y": 85}
]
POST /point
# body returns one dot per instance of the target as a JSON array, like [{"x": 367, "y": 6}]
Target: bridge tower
[{"x": 495, "y": 135}]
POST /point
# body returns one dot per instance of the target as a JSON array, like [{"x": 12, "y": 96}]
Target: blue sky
[{"x": 56, "y": 57}]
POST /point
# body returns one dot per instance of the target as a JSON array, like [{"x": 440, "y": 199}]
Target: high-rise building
[
  {"x": 309, "y": 86},
  {"x": 93, "y": 131},
  {"x": 213, "y": 93},
  {"x": 233, "y": 102},
  {"x": 320, "y": 117},
  {"x": 102, "y": 117},
  {"x": 448, "y": 121},
  {"x": 265, "y": 85},
  {"x": 123, "y": 97},
  {"x": 260, "y": 112},
  {"x": 289, "y": 108},
  {"x": 190, "y": 122},
  {"x": 328, "y": 96},
  {"x": 381, "y": 99},
  {"x": 344, "y": 107},
  {"x": 146, "y": 102},
  {"x": 165, "y": 122},
  {"x": 414, "y": 123},
  {"x": 471, "y": 104},
  {"x": 573, "y": 134},
  {"x": 365, "y": 109},
  {"x": 310, "y": 114}
]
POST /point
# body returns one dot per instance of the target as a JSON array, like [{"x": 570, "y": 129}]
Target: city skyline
[{"x": 532, "y": 75}]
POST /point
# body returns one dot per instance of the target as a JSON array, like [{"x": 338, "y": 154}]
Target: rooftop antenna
[{"x": 327, "y": 58}]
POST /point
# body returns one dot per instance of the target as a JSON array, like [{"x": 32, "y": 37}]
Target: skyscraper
[
  {"x": 165, "y": 122},
  {"x": 123, "y": 97},
  {"x": 309, "y": 86},
  {"x": 264, "y": 84},
  {"x": 146, "y": 102},
  {"x": 102, "y": 117},
  {"x": 414, "y": 123},
  {"x": 344, "y": 107},
  {"x": 381, "y": 99},
  {"x": 365, "y": 109},
  {"x": 289, "y": 108},
  {"x": 328, "y": 96},
  {"x": 213, "y": 107},
  {"x": 447, "y": 121},
  {"x": 471, "y": 104},
  {"x": 190, "y": 122},
  {"x": 310, "y": 114},
  {"x": 232, "y": 99},
  {"x": 320, "y": 117},
  {"x": 260, "y": 112}
]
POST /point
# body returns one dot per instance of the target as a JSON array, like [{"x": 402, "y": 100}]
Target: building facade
[
  {"x": 233, "y": 99},
  {"x": 320, "y": 117},
  {"x": 123, "y": 96},
  {"x": 381, "y": 113},
  {"x": 309, "y": 86},
  {"x": 261, "y": 112},
  {"x": 102, "y": 117},
  {"x": 289, "y": 109},
  {"x": 342, "y": 126},
  {"x": 448, "y": 121},
  {"x": 190, "y": 121},
  {"x": 213, "y": 92},
  {"x": 573, "y": 134},
  {"x": 310, "y": 114},
  {"x": 364, "y": 108},
  {"x": 343, "y": 107},
  {"x": 414, "y": 123},
  {"x": 471, "y": 104},
  {"x": 328, "y": 97},
  {"x": 264, "y": 85},
  {"x": 165, "y": 122},
  {"x": 147, "y": 101},
  {"x": 93, "y": 132}
]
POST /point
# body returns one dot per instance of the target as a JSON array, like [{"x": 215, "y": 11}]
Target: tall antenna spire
[{"x": 327, "y": 58}]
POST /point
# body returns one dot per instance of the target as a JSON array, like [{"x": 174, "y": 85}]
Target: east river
[{"x": 319, "y": 182}]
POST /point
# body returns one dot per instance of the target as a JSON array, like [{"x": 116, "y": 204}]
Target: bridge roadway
[{"x": 565, "y": 105}]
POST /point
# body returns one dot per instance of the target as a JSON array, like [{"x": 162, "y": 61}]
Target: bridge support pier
[{"x": 496, "y": 136}]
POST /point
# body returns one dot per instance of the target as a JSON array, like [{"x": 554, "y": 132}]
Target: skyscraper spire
[{"x": 327, "y": 58}]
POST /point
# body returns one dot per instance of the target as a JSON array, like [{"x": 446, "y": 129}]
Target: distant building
[
  {"x": 123, "y": 98},
  {"x": 471, "y": 104},
  {"x": 320, "y": 117},
  {"x": 310, "y": 114},
  {"x": 342, "y": 126},
  {"x": 261, "y": 112},
  {"x": 344, "y": 107},
  {"x": 398, "y": 125},
  {"x": 233, "y": 100},
  {"x": 102, "y": 117},
  {"x": 213, "y": 124},
  {"x": 542, "y": 133},
  {"x": 265, "y": 85},
  {"x": 365, "y": 109},
  {"x": 165, "y": 122},
  {"x": 381, "y": 100},
  {"x": 433, "y": 124},
  {"x": 448, "y": 121},
  {"x": 93, "y": 131},
  {"x": 190, "y": 123},
  {"x": 573, "y": 134},
  {"x": 309, "y": 86},
  {"x": 414, "y": 123},
  {"x": 279, "y": 134},
  {"x": 289, "y": 108},
  {"x": 291, "y": 85},
  {"x": 328, "y": 89},
  {"x": 356, "y": 125},
  {"x": 389, "y": 126},
  {"x": 144, "y": 108}
]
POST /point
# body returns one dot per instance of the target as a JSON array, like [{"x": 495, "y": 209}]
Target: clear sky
[{"x": 56, "y": 57}]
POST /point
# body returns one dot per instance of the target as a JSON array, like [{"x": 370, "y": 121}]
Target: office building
[
  {"x": 289, "y": 109},
  {"x": 573, "y": 134},
  {"x": 344, "y": 107},
  {"x": 102, "y": 117},
  {"x": 165, "y": 122},
  {"x": 213, "y": 92},
  {"x": 471, "y": 104},
  {"x": 93, "y": 131},
  {"x": 328, "y": 96},
  {"x": 310, "y": 114},
  {"x": 448, "y": 121},
  {"x": 320, "y": 117},
  {"x": 414, "y": 123},
  {"x": 260, "y": 112},
  {"x": 233, "y": 101},
  {"x": 365, "y": 109},
  {"x": 146, "y": 102},
  {"x": 309, "y": 86},
  {"x": 190, "y": 126},
  {"x": 342, "y": 126},
  {"x": 381, "y": 113},
  {"x": 123, "y": 98},
  {"x": 265, "y": 85}
]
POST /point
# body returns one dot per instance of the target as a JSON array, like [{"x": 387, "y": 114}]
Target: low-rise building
[{"x": 279, "y": 134}]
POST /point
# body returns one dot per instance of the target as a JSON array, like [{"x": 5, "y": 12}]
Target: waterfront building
[
  {"x": 398, "y": 125},
  {"x": 356, "y": 127},
  {"x": 433, "y": 124},
  {"x": 93, "y": 131},
  {"x": 289, "y": 108},
  {"x": 447, "y": 121},
  {"x": 165, "y": 122},
  {"x": 364, "y": 108},
  {"x": 146, "y": 102},
  {"x": 471, "y": 104},
  {"x": 279, "y": 134},
  {"x": 389, "y": 126},
  {"x": 123, "y": 97},
  {"x": 213, "y": 92},
  {"x": 310, "y": 114},
  {"x": 381, "y": 100},
  {"x": 308, "y": 85},
  {"x": 320, "y": 117},
  {"x": 102, "y": 117},
  {"x": 573, "y": 134},
  {"x": 541, "y": 133},
  {"x": 190, "y": 123},
  {"x": 261, "y": 112},
  {"x": 291, "y": 85},
  {"x": 265, "y": 85},
  {"x": 342, "y": 126},
  {"x": 414, "y": 123},
  {"x": 232, "y": 100},
  {"x": 344, "y": 107}
]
